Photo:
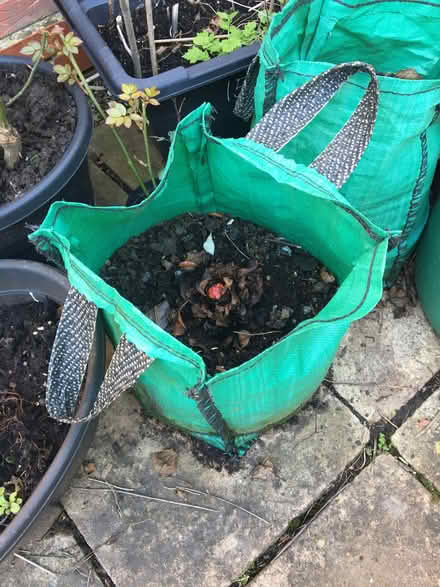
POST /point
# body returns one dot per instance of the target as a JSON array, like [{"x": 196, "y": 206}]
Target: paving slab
[
  {"x": 158, "y": 544},
  {"x": 104, "y": 146},
  {"x": 57, "y": 552},
  {"x": 388, "y": 359},
  {"x": 418, "y": 440},
  {"x": 383, "y": 529},
  {"x": 107, "y": 191}
]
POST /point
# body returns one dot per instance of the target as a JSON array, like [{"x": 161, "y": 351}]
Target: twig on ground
[
  {"x": 364, "y": 383},
  {"x": 386, "y": 419},
  {"x": 113, "y": 488},
  {"x": 36, "y": 565},
  {"x": 115, "y": 495},
  {"x": 307, "y": 524},
  {"x": 199, "y": 492}
]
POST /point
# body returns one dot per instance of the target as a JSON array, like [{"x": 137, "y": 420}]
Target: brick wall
[{"x": 16, "y": 14}]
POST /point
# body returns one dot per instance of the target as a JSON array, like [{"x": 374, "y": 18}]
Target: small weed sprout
[
  {"x": 10, "y": 503},
  {"x": 206, "y": 44},
  {"x": 383, "y": 443}
]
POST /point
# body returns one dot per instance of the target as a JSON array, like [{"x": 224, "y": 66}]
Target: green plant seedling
[
  {"x": 10, "y": 503},
  {"x": 207, "y": 44},
  {"x": 383, "y": 443}
]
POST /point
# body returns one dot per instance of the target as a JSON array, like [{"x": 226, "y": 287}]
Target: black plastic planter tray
[
  {"x": 17, "y": 279},
  {"x": 85, "y": 15},
  {"x": 68, "y": 180},
  {"x": 215, "y": 81}
]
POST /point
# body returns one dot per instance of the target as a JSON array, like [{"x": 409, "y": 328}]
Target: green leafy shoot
[
  {"x": 10, "y": 503},
  {"x": 225, "y": 19},
  {"x": 383, "y": 443},
  {"x": 213, "y": 41},
  {"x": 195, "y": 55}
]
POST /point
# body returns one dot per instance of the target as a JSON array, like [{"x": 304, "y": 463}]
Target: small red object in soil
[{"x": 216, "y": 291}]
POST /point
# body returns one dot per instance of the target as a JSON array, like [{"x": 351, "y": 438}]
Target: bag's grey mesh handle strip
[
  {"x": 296, "y": 110},
  {"x": 69, "y": 358}
]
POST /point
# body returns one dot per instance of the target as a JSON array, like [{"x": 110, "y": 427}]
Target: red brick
[
  {"x": 83, "y": 60},
  {"x": 17, "y": 14}
]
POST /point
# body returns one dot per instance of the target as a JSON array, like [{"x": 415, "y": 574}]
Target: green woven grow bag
[
  {"x": 391, "y": 183},
  {"x": 428, "y": 269},
  {"x": 244, "y": 179}
]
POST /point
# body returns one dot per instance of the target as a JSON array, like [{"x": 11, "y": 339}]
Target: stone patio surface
[{"x": 382, "y": 529}]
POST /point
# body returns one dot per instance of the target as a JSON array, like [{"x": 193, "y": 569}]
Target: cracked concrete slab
[
  {"x": 140, "y": 542},
  {"x": 60, "y": 555},
  {"x": 383, "y": 361},
  {"x": 381, "y": 530},
  {"x": 418, "y": 440}
]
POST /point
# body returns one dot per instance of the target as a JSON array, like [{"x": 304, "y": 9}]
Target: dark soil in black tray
[
  {"x": 229, "y": 306},
  {"x": 193, "y": 18},
  {"x": 45, "y": 117},
  {"x": 29, "y": 439}
]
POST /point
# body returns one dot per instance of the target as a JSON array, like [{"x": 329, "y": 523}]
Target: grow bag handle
[
  {"x": 295, "y": 111},
  {"x": 69, "y": 358},
  {"x": 68, "y": 363}
]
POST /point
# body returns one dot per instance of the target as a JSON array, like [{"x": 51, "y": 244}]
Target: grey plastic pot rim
[
  {"x": 21, "y": 280},
  {"x": 66, "y": 167}
]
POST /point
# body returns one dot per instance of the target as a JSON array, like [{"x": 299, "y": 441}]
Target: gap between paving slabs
[
  {"x": 143, "y": 542},
  {"x": 424, "y": 408},
  {"x": 56, "y": 558},
  {"x": 382, "y": 529}
]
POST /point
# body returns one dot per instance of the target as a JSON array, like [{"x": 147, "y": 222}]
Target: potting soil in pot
[
  {"x": 193, "y": 17},
  {"x": 223, "y": 286},
  {"x": 29, "y": 439},
  {"x": 45, "y": 118}
]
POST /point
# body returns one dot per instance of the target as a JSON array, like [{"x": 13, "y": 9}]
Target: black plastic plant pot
[
  {"x": 85, "y": 15},
  {"x": 22, "y": 281},
  {"x": 214, "y": 81},
  {"x": 68, "y": 180}
]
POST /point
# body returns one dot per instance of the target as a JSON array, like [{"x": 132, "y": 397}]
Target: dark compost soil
[
  {"x": 29, "y": 439},
  {"x": 228, "y": 306},
  {"x": 45, "y": 117},
  {"x": 193, "y": 18}
]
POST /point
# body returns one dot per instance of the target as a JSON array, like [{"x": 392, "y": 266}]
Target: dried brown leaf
[
  {"x": 264, "y": 470},
  {"x": 253, "y": 264},
  {"x": 409, "y": 73},
  {"x": 179, "y": 326},
  {"x": 159, "y": 314},
  {"x": 243, "y": 338},
  {"x": 257, "y": 290},
  {"x": 326, "y": 276},
  {"x": 89, "y": 468},
  {"x": 164, "y": 462},
  {"x": 200, "y": 311},
  {"x": 187, "y": 265},
  {"x": 201, "y": 286}
]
